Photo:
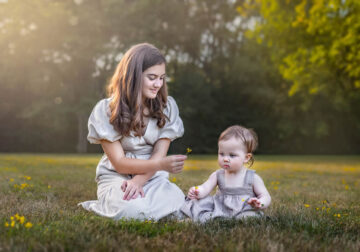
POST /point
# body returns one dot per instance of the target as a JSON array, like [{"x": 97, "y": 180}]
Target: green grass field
[{"x": 315, "y": 207}]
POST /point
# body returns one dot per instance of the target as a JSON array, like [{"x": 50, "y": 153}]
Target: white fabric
[{"x": 161, "y": 197}]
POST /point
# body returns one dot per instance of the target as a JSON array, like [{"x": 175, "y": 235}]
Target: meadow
[{"x": 315, "y": 207}]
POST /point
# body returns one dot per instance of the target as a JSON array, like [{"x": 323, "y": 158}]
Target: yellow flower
[
  {"x": 28, "y": 225},
  {"x": 49, "y": 186},
  {"x": 306, "y": 205},
  {"x": 346, "y": 187},
  {"x": 242, "y": 200},
  {"x": 6, "y": 224},
  {"x": 24, "y": 185},
  {"x": 275, "y": 187},
  {"x": 27, "y": 177},
  {"x": 12, "y": 218},
  {"x": 173, "y": 179},
  {"x": 12, "y": 223},
  {"x": 11, "y": 180},
  {"x": 22, "y": 219},
  {"x": 17, "y": 216},
  {"x": 317, "y": 209},
  {"x": 196, "y": 187},
  {"x": 188, "y": 150}
]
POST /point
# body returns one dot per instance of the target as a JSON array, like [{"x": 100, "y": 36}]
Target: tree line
[{"x": 287, "y": 69}]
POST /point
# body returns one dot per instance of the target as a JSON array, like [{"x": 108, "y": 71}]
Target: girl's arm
[
  {"x": 263, "y": 198},
  {"x": 160, "y": 150},
  {"x": 198, "y": 192},
  {"x": 116, "y": 155}
]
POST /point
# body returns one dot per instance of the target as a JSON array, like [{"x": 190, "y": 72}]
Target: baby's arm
[
  {"x": 198, "y": 192},
  {"x": 263, "y": 198}
]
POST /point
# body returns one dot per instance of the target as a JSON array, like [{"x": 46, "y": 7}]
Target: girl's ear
[{"x": 248, "y": 157}]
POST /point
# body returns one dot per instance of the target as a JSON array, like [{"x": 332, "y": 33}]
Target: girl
[
  {"x": 134, "y": 126},
  {"x": 241, "y": 192}
]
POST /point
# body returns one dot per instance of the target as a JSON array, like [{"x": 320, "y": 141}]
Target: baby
[{"x": 241, "y": 192}]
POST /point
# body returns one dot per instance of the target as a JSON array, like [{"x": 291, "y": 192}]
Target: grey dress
[
  {"x": 228, "y": 202},
  {"x": 161, "y": 197}
]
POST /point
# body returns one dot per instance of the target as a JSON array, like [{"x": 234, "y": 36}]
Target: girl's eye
[
  {"x": 232, "y": 155},
  {"x": 221, "y": 154}
]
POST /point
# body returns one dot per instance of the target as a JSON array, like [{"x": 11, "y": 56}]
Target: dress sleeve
[
  {"x": 174, "y": 127},
  {"x": 99, "y": 124}
]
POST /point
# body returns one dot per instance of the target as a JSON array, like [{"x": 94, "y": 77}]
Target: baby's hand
[
  {"x": 255, "y": 203},
  {"x": 193, "y": 192}
]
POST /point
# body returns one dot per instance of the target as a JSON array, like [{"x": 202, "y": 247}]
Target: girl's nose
[
  {"x": 158, "y": 83},
  {"x": 226, "y": 159}
]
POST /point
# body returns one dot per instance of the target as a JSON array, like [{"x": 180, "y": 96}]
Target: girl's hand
[
  {"x": 132, "y": 189},
  {"x": 172, "y": 164},
  {"x": 255, "y": 203}
]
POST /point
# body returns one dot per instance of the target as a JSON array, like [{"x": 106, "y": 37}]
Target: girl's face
[
  {"x": 153, "y": 80},
  {"x": 232, "y": 154}
]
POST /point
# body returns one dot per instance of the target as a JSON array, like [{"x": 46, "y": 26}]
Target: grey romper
[
  {"x": 228, "y": 202},
  {"x": 161, "y": 196}
]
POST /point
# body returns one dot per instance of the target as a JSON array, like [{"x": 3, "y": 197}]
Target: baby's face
[{"x": 232, "y": 154}]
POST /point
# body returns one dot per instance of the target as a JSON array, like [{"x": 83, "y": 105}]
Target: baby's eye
[
  {"x": 232, "y": 155},
  {"x": 221, "y": 154}
]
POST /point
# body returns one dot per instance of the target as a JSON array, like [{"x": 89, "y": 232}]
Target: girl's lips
[{"x": 227, "y": 166}]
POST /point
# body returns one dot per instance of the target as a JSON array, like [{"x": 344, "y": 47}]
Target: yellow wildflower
[
  {"x": 24, "y": 185},
  {"x": 12, "y": 218},
  {"x": 188, "y": 150},
  {"x": 196, "y": 187},
  {"x": 346, "y": 187},
  {"x": 12, "y": 223},
  {"x": 28, "y": 225},
  {"x": 173, "y": 179},
  {"x": 22, "y": 219},
  {"x": 17, "y": 216},
  {"x": 306, "y": 205},
  {"x": 6, "y": 224},
  {"x": 11, "y": 180},
  {"x": 242, "y": 200},
  {"x": 27, "y": 177},
  {"x": 275, "y": 187},
  {"x": 49, "y": 186},
  {"x": 317, "y": 209}
]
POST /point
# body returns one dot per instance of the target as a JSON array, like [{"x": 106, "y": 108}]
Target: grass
[{"x": 315, "y": 207}]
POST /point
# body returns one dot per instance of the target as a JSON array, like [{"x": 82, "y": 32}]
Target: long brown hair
[{"x": 125, "y": 90}]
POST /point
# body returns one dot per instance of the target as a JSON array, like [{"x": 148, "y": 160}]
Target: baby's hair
[{"x": 247, "y": 136}]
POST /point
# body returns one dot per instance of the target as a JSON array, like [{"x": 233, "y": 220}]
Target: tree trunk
[{"x": 82, "y": 132}]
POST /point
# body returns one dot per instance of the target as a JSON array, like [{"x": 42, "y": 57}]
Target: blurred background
[{"x": 287, "y": 68}]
